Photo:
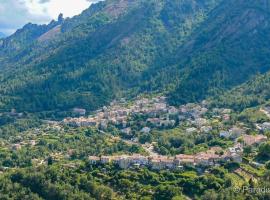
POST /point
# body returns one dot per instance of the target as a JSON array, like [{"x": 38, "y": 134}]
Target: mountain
[
  {"x": 2, "y": 35},
  {"x": 250, "y": 94},
  {"x": 228, "y": 49},
  {"x": 25, "y": 36},
  {"x": 187, "y": 49}
]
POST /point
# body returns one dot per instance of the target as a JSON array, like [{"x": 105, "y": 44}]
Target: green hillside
[
  {"x": 250, "y": 94},
  {"x": 188, "y": 50}
]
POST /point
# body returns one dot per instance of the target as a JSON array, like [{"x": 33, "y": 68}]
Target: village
[
  {"x": 159, "y": 115},
  {"x": 119, "y": 113}
]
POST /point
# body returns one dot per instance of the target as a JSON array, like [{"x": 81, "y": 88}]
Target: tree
[
  {"x": 247, "y": 150},
  {"x": 264, "y": 151},
  {"x": 166, "y": 192},
  {"x": 267, "y": 165},
  {"x": 50, "y": 161},
  {"x": 145, "y": 138},
  {"x": 103, "y": 193},
  {"x": 210, "y": 195}
]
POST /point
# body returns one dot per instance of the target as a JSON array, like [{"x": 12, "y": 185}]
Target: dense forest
[
  {"x": 250, "y": 94},
  {"x": 57, "y": 183}
]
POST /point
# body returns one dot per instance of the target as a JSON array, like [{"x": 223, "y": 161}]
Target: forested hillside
[
  {"x": 250, "y": 94},
  {"x": 189, "y": 50},
  {"x": 227, "y": 49}
]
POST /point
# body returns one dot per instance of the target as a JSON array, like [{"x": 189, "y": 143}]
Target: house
[
  {"x": 32, "y": 142},
  {"x": 121, "y": 120},
  {"x": 13, "y": 112},
  {"x": 139, "y": 159},
  {"x": 104, "y": 108},
  {"x": 79, "y": 111},
  {"x": 224, "y": 134},
  {"x": 181, "y": 117},
  {"x": 167, "y": 123},
  {"x": 123, "y": 162},
  {"x": 162, "y": 162},
  {"x": 202, "y": 160},
  {"x": 156, "y": 164},
  {"x": 167, "y": 163},
  {"x": 206, "y": 158},
  {"x": 199, "y": 122},
  {"x": 126, "y": 131},
  {"x": 160, "y": 107},
  {"x": 191, "y": 130},
  {"x": 105, "y": 159},
  {"x": 236, "y": 132},
  {"x": 265, "y": 126},
  {"x": 122, "y": 112},
  {"x": 226, "y": 117},
  {"x": 88, "y": 123},
  {"x": 146, "y": 130},
  {"x": 173, "y": 111},
  {"x": 256, "y": 164},
  {"x": 93, "y": 159},
  {"x": 154, "y": 121},
  {"x": 16, "y": 146},
  {"x": 203, "y": 111},
  {"x": 237, "y": 148},
  {"x": 184, "y": 159},
  {"x": 226, "y": 111},
  {"x": 126, "y": 161},
  {"x": 206, "y": 129},
  {"x": 249, "y": 140},
  {"x": 235, "y": 157},
  {"x": 103, "y": 124},
  {"x": 183, "y": 109}
]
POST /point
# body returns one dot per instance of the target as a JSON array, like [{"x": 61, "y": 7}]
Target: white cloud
[
  {"x": 16, "y": 13},
  {"x": 68, "y": 8}
]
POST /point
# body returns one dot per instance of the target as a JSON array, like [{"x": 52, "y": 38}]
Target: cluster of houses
[
  {"x": 158, "y": 113},
  {"x": 18, "y": 146},
  {"x": 194, "y": 116},
  {"x": 249, "y": 140},
  {"x": 12, "y": 113},
  {"x": 232, "y": 133},
  {"x": 263, "y": 127},
  {"x": 212, "y": 157},
  {"x": 118, "y": 113}
]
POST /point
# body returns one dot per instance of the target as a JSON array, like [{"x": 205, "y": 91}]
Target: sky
[{"x": 14, "y": 14}]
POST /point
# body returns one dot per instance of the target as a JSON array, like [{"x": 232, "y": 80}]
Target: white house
[
  {"x": 146, "y": 130},
  {"x": 191, "y": 130},
  {"x": 224, "y": 134}
]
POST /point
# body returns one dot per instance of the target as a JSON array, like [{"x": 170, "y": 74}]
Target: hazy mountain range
[{"x": 2, "y": 35}]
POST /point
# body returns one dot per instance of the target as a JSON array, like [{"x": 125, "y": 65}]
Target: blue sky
[{"x": 16, "y": 13}]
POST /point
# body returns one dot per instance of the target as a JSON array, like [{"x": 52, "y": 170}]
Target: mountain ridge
[{"x": 125, "y": 47}]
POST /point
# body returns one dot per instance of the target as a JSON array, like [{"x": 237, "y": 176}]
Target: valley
[
  {"x": 145, "y": 134},
  {"x": 138, "y": 99}
]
